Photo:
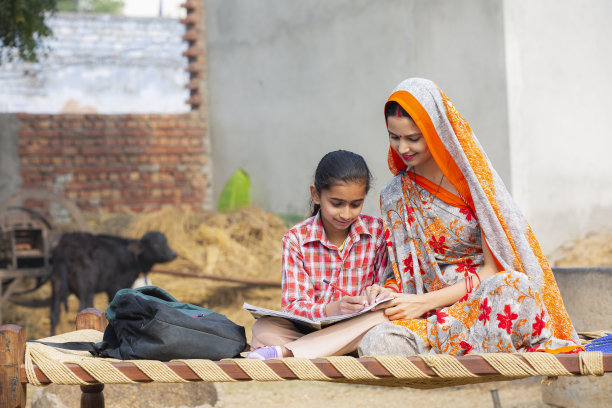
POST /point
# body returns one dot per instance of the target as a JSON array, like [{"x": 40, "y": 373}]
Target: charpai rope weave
[
  {"x": 591, "y": 363},
  {"x": 305, "y": 369},
  {"x": 508, "y": 366},
  {"x": 446, "y": 366},
  {"x": 157, "y": 371},
  {"x": 546, "y": 364},
  {"x": 207, "y": 370},
  {"x": 403, "y": 372},
  {"x": 350, "y": 368},
  {"x": 401, "y": 368},
  {"x": 257, "y": 369}
]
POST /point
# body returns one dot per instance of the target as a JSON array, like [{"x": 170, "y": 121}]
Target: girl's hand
[
  {"x": 377, "y": 292},
  {"x": 406, "y": 306},
  {"x": 346, "y": 305}
]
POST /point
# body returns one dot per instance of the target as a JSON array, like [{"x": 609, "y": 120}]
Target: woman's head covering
[{"x": 461, "y": 158}]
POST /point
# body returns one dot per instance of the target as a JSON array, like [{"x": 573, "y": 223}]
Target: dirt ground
[
  {"x": 516, "y": 394},
  {"x": 247, "y": 245}
]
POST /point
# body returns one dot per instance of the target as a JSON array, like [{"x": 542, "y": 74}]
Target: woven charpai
[{"x": 448, "y": 370}]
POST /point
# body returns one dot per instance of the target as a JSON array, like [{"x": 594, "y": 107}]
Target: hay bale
[{"x": 593, "y": 250}]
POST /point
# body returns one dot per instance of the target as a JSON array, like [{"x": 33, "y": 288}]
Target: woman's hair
[
  {"x": 340, "y": 165},
  {"x": 394, "y": 109}
]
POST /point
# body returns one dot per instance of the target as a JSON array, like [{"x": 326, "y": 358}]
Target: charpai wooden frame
[{"x": 426, "y": 371}]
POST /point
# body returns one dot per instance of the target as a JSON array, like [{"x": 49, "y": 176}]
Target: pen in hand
[{"x": 337, "y": 287}]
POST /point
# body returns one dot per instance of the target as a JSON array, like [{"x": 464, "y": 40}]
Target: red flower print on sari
[
  {"x": 485, "y": 311},
  {"x": 438, "y": 246},
  {"x": 466, "y": 346},
  {"x": 469, "y": 214},
  {"x": 505, "y": 320},
  {"x": 409, "y": 214},
  {"x": 466, "y": 267},
  {"x": 539, "y": 324},
  {"x": 441, "y": 316},
  {"x": 409, "y": 266}
]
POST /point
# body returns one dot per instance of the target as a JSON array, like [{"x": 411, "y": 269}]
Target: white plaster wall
[
  {"x": 559, "y": 62},
  {"x": 153, "y": 8},
  {"x": 291, "y": 80},
  {"x": 101, "y": 63}
]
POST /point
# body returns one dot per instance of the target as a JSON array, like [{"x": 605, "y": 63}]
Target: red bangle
[{"x": 469, "y": 284}]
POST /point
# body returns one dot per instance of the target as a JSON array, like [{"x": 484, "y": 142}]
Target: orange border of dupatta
[{"x": 438, "y": 150}]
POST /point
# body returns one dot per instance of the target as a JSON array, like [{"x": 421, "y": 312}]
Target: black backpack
[{"x": 148, "y": 323}]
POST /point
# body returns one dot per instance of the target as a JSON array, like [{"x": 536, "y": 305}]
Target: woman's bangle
[{"x": 469, "y": 283}]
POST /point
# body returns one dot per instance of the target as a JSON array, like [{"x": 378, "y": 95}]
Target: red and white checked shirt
[{"x": 308, "y": 258}]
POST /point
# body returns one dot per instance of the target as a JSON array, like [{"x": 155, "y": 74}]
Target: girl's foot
[{"x": 264, "y": 353}]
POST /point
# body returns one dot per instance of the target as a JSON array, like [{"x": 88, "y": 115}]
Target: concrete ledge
[{"x": 586, "y": 295}]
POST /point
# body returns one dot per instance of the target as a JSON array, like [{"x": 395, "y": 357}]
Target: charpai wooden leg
[
  {"x": 91, "y": 318},
  {"x": 12, "y": 354},
  {"x": 92, "y": 396}
]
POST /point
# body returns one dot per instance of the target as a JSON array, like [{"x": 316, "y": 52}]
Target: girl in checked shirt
[{"x": 338, "y": 244}]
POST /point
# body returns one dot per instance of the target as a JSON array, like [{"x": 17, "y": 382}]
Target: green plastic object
[{"x": 236, "y": 193}]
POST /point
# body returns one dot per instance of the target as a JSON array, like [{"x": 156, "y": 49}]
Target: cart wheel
[
  {"x": 34, "y": 215},
  {"x": 18, "y": 198}
]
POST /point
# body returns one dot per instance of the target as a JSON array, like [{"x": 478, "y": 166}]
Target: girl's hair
[
  {"x": 394, "y": 109},
  {"x": 340, "y": 165}
]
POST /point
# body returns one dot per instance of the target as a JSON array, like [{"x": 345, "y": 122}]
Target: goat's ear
[{"x": 135, "y": 247}]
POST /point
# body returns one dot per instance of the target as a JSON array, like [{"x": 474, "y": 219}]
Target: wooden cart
[{"x": 25, "y": 244}]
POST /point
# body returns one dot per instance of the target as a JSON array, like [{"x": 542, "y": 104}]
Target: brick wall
[{"x": 116, "y": 162}]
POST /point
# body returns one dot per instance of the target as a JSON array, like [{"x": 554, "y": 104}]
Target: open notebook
[{"x": 258, "y": 312}]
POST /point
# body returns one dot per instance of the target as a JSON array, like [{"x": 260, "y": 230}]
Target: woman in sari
[{"x": 466, "y": 272}]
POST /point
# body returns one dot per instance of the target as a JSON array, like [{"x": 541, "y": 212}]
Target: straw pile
[{"x": 242, "y": 244}]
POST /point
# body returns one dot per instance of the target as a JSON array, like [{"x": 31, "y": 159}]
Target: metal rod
[
  {"x": 218, "y": 278},
  {"x": 495, "y": 396}
]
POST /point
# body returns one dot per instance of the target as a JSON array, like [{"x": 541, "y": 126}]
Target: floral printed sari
[{"x": 434, "y": 241}]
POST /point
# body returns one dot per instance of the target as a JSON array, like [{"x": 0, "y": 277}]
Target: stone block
[
  {"x": 578, "y": 392},
  {"x": 197, "y": 395},
  {"x": 586, "y": 295}
]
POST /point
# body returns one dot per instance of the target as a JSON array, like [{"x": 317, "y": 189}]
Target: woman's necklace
[{"x": 431, "y": 197}]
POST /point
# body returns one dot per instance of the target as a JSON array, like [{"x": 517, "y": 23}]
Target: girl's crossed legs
[{"x": 336, "y": 340}]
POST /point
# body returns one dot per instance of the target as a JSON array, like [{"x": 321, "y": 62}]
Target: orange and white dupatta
[{"x": 464, "y": 163}]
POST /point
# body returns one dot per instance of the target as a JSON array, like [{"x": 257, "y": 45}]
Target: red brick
[{"x": 112, "y": 149}]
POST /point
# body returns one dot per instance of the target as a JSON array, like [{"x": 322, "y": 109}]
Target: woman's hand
[
  {"x": 346, "y": 305},
  {"x": 377, "y": 292},
  {"x": 406, "y": 306}
]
